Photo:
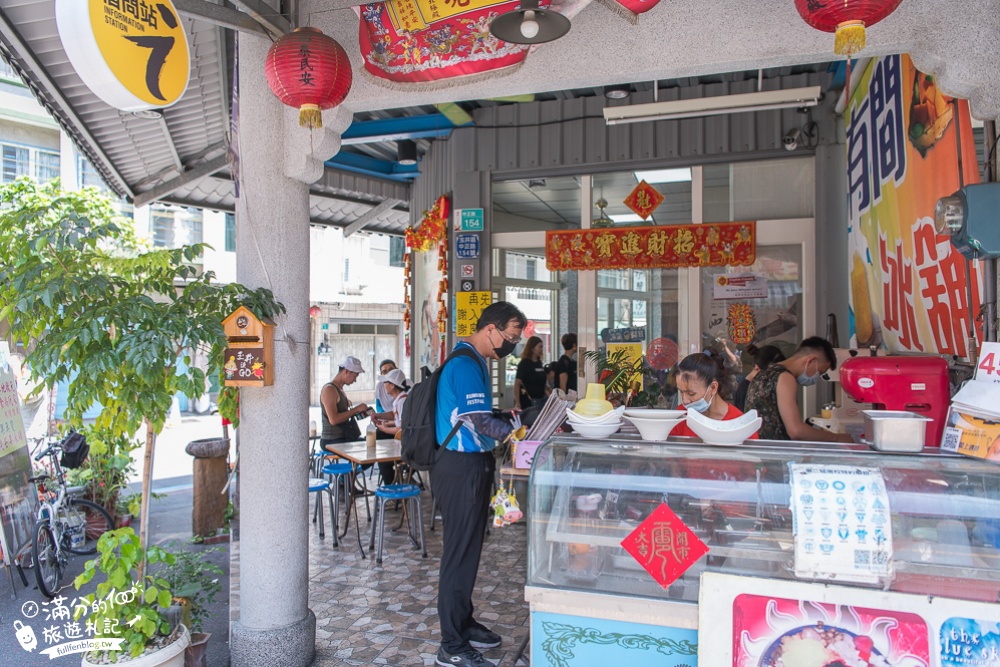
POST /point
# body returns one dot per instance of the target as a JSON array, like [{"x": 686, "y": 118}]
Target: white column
[{"x": 275, "y": 626}]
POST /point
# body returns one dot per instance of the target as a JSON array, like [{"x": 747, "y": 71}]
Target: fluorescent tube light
[
  {"x": 713, "y": 106},
  {"x": 664, "y": 175},
  {"x": 625, "y": 217}
]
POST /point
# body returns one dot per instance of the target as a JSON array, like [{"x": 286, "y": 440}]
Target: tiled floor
[{"x": 368, "y": 614}]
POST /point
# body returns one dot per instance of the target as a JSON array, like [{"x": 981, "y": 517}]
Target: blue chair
[
  {"x": 318, "y": 486},
  {"x": 340, "y": 478},
  {"x": 410, "y": 494}
]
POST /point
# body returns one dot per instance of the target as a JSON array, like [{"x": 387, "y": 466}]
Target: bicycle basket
[{"x": 75, "y": 450}]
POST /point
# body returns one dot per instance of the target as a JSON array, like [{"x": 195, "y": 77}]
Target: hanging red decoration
[
  {"x": 433, "y": 227},
  {"x": 315, "y": 312},
  {"x": 308, "y": 70},
  {"x": 407, "y": 299},
  {"x": 846, "y": 18}
]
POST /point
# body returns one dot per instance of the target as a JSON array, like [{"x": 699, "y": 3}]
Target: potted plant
[
  {"x": 108, "y": 468},
  {"x": 620, "y": 374},
  {"x": 194, "y": 583},
  {"x": 129, "y": 606}
]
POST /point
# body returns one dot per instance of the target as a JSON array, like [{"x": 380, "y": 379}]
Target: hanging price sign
[{"x": 988, "y": 368}]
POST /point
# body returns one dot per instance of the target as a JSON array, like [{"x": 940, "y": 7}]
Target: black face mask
[{"x": 506, "y": 347}]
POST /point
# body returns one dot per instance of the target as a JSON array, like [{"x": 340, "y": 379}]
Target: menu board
[
  {"x": 18, "y": 498},
  {"x": 841, "y": 523}
]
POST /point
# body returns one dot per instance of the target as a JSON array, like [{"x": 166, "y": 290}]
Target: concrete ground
[{"x": 170, "y": 526}]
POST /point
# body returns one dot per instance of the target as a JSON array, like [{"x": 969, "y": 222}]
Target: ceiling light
[
  {"x": 617, "y": 92},
  {"x": 664, "y": 175},
  {"x": 713, "y": 106},
  {"x": 623, "y": 218},
  {"x": 148, "y": 114},
  {"x": 529, "y": 25},
  {"x": 406, "y": 152}
]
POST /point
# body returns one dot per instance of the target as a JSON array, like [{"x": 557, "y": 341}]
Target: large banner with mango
[{"x": 906, "y": 140}]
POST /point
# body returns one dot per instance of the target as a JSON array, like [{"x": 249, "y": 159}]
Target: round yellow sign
[
  {"x": 144, "y": 45},
  {"x": 133, "y": 54}
]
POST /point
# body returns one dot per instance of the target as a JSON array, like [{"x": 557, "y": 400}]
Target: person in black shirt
[
  {"x": 529, "y": 383},
  {"x": 566, "y": 370}
]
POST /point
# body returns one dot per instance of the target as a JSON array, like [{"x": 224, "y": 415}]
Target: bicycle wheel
[
  {"x": 44, "y": 551},
  {"x": 88, "y": 517}
]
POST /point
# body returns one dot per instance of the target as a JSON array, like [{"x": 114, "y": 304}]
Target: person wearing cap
[
  {"x": 394, "y": 384},
  {"x": 383, "y": 401},
  {"x": 337, "y": 411}
]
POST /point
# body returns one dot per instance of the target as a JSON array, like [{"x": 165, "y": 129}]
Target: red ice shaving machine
[{"x": 918, "y": 384}]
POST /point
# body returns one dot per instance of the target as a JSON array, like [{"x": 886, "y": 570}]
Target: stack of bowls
[
  {"x": 598, "y": 426},
  {"x": 654, "y": 424}
]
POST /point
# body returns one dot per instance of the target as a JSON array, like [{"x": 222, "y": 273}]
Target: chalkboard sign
[{"x": 244, "y": 366}]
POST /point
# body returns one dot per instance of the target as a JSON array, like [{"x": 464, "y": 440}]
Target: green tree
[{"x": 102, "y": 311}]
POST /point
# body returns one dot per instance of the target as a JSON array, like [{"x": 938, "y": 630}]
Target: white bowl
[
  {"x": 654, "y": 429},
  {"x": 607, "y": 418},
  {"x": 596, "y": 430},
  {"x": 654, "y": 413},
  {"x": 723, "y": 432}
]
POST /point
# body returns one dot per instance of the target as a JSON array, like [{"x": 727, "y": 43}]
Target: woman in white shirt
[{"x": 395, "y": 385}]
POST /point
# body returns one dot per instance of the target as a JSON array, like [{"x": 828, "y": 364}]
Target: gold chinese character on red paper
[
  {"x": 683, "y": 242},
  {"x": 643, "y": 200},
  {"x": 630, "y": 244},
  {"x": 656, "y": 244},
  {"x": 604, "y": 243},
  {"x": 664, "y": 546}
]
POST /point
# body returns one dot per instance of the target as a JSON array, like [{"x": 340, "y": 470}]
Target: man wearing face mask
[
  {"x": 463, "y": 475},
  {"x": 773, "y": 393}
]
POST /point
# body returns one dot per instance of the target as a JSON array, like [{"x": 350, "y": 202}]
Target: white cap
[
  {"x": 395, "y": 376},
  {"x": 352, "y": 364}
]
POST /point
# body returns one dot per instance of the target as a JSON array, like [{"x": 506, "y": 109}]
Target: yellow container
[{"x": 595, "y": 404}]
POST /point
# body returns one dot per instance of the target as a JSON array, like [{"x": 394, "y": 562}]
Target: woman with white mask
[{"x": 698, "y": 379}]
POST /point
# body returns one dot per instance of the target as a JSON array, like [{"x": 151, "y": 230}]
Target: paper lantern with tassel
[
  {"x": 846, "y": 18},
  {"x": 310, "y": 71}
]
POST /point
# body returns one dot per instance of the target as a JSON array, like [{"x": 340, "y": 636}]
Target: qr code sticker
[
  {"x": 952, "y": 436},
  {"x": 862, "y": 557}
]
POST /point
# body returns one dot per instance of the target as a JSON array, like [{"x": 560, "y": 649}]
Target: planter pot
[
  {"x": 123, "y": 521},
  {"x": 196, "y": 655},
  {"x": 171, "y": 655}
]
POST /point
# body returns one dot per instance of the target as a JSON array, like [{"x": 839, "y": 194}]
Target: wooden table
[{"x": 360, "y": 454}]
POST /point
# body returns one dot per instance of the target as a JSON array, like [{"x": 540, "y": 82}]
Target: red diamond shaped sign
[
  {"x": 664, "y": 546},
  {"x": 643, "y": 200}
]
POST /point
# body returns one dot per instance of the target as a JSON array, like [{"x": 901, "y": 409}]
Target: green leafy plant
[
  {"x": 195, "y": 579},
  {"x": 108, "y": 468},
  {"x": 136, "y": 608},
  {"x": 107, "y": 316},
  {"x": 617, "y": 371}
]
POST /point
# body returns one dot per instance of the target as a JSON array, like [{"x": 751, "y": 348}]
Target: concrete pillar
[{"x": 275, "y": 626}]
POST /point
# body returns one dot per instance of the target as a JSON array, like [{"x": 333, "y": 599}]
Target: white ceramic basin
[
  {"x": 654, "y": 413},
  {"x": 655, "y": 429},
  {"x": 596, "y": 430},
  {"x": 614, "y": 416},
  {"x": 724, "y": 432}
]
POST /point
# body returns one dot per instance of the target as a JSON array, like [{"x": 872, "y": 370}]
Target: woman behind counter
[{"x": 698, "y": 380}]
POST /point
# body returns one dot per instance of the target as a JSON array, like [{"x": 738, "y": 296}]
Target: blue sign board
[{"x": 467, "y": 246}]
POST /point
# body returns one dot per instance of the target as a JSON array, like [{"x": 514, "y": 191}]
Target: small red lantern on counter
[
  {"x": 308, "y": 70},
  {"x": 315, "y": 312},
  {"x": 846, "y": 18}
]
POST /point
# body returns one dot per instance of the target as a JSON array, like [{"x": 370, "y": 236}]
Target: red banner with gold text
[{"x": 656, "y": 247}]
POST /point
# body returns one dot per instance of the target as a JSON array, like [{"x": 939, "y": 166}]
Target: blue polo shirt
[{"x": 463, "y": 389}]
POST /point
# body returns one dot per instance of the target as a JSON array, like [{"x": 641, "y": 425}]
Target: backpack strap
[{"x": 462, "y": 351}]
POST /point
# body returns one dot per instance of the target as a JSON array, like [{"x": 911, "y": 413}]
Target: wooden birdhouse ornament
[{"x": 248, "y": 360}]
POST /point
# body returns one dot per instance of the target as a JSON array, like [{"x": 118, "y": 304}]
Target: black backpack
[
  {"x": 419, "y": 446},
  {"x": 74, "y": 450}
]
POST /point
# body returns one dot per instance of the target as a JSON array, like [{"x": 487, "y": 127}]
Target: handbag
[{"x": 351, "y": 430}]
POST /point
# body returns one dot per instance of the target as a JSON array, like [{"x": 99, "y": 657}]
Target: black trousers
[{"x": 462, "y": 482}]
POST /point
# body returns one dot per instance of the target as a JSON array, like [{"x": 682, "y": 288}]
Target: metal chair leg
[
  {"x": 371, "y": 542},
  {"x": 380, "y": 519},
  {"x": 333, "y": 514},
  {"x": 319, "y": 511}
]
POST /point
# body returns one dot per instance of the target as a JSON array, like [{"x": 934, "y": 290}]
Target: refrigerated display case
[{"x": 586, "y": 496}]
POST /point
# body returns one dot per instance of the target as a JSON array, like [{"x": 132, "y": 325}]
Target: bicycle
[{"x": 66, "y": 525}]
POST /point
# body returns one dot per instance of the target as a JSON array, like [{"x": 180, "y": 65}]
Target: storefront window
[{"x": 776, "y": 315}]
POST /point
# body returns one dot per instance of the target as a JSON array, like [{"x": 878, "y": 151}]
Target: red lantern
[
  {"x": 315, "y": 312},
  {"x": 846, "y": 18},
  {"x": 308, "y": 70}
]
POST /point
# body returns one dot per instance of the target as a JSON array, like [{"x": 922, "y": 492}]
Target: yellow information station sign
[
  {"x": 133, "y": 54},
  {"x": 468, "y": 307},
  {"x": 633, "y": 352}
]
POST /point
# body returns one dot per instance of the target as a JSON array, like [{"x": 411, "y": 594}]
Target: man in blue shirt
[{"x": 462, "y": 478}]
